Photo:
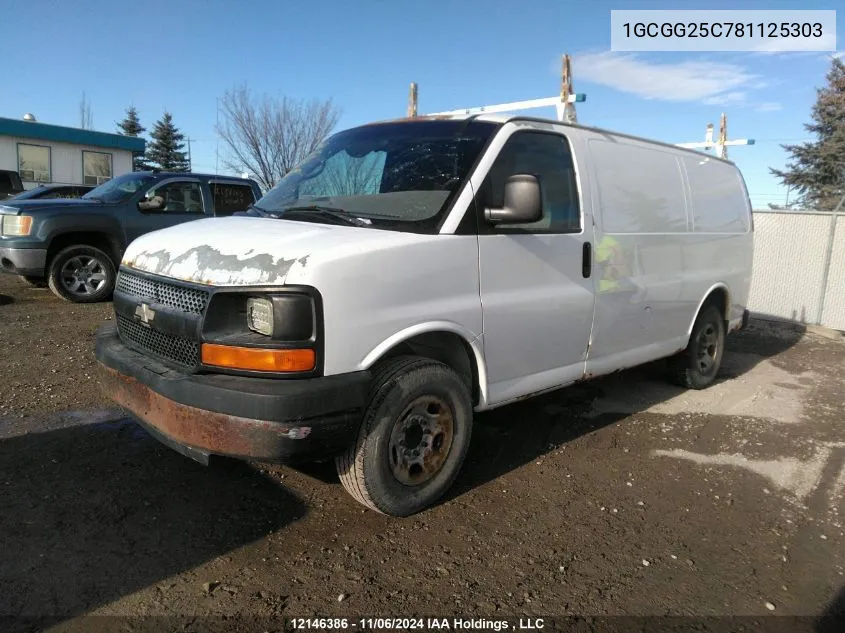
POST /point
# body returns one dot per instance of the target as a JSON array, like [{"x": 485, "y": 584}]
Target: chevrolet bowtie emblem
[{"x": 145, "y": 313}]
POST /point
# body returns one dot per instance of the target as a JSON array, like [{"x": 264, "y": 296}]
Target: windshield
[
  {"x": 120, "y": 188},
  {"x": 396, "y": 175}
]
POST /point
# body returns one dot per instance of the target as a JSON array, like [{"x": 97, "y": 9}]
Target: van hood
[{"x": 242, "y": 251}]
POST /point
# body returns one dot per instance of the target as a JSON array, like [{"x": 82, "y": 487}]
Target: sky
[{"x": 181, "y": 55}]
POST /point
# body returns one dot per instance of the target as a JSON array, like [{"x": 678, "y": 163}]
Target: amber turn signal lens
[{"x": 258, "y": 359}]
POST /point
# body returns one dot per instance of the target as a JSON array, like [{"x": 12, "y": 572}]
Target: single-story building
[{"x": 43, "y": 153}]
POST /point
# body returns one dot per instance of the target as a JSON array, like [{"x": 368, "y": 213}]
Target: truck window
[
  {"x": 180, "y": 197},
  {"x": 229, "y": 198},
  {"x": 548, "y": 157},
  {"x": 6, "y": 185}
]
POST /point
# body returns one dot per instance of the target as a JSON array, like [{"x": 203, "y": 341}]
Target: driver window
[
  {"x": 179, "y": 197},
  {"x": 546, "y": 156}
]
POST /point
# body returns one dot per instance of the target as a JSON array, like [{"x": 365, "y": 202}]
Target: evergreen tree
[
  {"x": 817, "y": 169},
  {"x": 131, "y": 126},
  {"x": 165, "y": 150}
]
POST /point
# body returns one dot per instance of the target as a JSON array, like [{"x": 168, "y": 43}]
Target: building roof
[{"x": 62, "y": 134}]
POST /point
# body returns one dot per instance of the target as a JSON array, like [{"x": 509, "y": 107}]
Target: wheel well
[
  {"x": 102, "y": 241},
  {"x": 446, "y": 347},
  {"x": 719, "y": 298}
]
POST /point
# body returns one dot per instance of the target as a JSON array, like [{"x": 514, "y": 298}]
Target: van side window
[
  {"x": 229, "y": 198},
  {"x": 546, "y": 156}
]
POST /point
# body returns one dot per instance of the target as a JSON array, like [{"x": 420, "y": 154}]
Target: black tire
[
  {"x": 697, "y": 366},
  {"x": 81, "y": 274},
  {"x": 35, "y": 282},
  {"x": 411, "y": 403}
]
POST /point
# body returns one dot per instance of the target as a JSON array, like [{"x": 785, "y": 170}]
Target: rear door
[
  {"x": 184, "y": 201},
  {"x": 229, "y": 196},
  {"x": 537, "y": 296}
]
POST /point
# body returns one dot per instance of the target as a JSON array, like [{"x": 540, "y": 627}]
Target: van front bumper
[
  {"x": 260, "y": 419},
  {"x": 23, "y": 261}
]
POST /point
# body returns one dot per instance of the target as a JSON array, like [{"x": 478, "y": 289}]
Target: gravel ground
[{"x": 622, "y": 496}]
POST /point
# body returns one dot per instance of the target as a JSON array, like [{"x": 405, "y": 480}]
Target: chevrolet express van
[{"x": 412, "y": 272}]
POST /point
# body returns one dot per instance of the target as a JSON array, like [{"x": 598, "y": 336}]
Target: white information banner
[{"x": 723, "y": 30}]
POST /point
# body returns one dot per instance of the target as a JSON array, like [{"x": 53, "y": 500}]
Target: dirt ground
[{"x": 622, "y": 496}]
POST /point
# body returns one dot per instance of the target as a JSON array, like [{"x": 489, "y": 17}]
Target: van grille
[
  {"x": 176, "y": 349},
  {"x": 186, "y": 299}
]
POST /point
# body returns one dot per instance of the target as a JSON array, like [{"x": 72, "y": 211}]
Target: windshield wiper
[
  {"x": 317, "y": 211},
  {"x": 262, "y": 211}
]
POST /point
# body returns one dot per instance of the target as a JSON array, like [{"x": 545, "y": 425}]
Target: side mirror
[
  {"x": 156, "y": 203},
  {"x": 523, "y": 202}
]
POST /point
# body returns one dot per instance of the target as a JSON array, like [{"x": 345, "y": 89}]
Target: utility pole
[
  {"x": 190, "y": 165},
  {"x": 563, "y": 102},
  {"x": 722, "y": 144}
]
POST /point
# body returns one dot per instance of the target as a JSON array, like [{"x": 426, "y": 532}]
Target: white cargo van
[{"x": 412, "y": 272}]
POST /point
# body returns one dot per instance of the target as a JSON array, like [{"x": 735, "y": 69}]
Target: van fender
[
  {"x": 717, "y": 286},
  {"x": 474, "y": 341}
]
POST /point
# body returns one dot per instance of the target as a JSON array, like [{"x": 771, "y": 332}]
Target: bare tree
[
  {"x": 269, "y": 137},
  {"x": 86, "y": 119}
]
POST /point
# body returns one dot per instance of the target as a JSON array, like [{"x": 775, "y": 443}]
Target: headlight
[
  {"x": 15, "y": 225},
  {"x": 259, "y": 316}
]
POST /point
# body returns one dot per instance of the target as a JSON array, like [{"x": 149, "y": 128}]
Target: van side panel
[
  {"x": 720, "y": 247},
  {"x": 671, "y": 227},
  {"x": 642, "y": 299},
  {"x": 719, "y": 203}
]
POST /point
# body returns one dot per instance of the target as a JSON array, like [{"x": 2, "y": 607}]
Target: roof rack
[{"x": 564, "y": 103}]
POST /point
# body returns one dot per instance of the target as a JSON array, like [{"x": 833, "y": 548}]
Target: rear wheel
[
  {"x": 413, "y": 439},
  {"x": 82, "y": 274},
  {"x": 696, "y": 367}
]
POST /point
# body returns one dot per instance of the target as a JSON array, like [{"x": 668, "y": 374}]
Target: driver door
[
  {"x": 536, "y": 292},
  {"x": 182, "y": 200}
]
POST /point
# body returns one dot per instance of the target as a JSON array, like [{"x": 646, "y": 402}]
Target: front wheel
[
  {"x": 82, "y": 274},
  {"x": 696, "y": 367},
  {"x": 413, "y": 438}
]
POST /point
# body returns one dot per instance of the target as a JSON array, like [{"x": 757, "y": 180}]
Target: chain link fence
[{"x": 799, "y": 267}]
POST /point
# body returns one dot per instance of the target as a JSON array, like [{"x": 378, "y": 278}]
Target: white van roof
[{"x": 504, "y": 118}]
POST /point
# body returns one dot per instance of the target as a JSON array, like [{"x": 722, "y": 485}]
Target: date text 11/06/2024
[{"x": 418, "y": 624}]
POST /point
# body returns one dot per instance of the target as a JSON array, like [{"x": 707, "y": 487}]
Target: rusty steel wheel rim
[
  {"x": 708, "y": 348},
  {"x": 421, "y": 440}
]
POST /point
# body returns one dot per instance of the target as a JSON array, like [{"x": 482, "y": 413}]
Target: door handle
[{"x": 587, "y": 260}]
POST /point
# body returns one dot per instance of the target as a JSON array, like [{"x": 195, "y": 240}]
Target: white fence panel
[
  {"x": 833, "y": 314},
  {"x": 793, "y": 252}
]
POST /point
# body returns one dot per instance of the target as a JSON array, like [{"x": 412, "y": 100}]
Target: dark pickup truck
[
  {"x": 75, "y": 246},
  {"x": 10, "y": 183}
]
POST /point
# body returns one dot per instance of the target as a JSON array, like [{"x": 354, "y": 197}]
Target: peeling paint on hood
[{"x": 240, "y": 251}]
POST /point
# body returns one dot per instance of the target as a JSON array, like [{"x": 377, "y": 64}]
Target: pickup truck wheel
[
  {"x": 82, "y": 274},
  {"x": 36, "y": 282},
  {"x": 413, "y": 439},
  {"x": 696, "y": 367}
]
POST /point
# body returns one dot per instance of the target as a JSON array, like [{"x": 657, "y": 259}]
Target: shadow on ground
[
  {"x": 505, "y": 439},
  {"x": 833, "y": 618},
  {"x": 94, "y": 512}
]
